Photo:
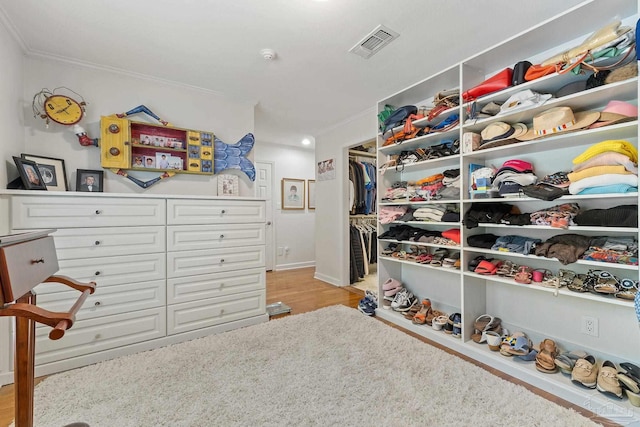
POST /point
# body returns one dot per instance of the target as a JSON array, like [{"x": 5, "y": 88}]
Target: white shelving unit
[{"x": 538, "y": 311}]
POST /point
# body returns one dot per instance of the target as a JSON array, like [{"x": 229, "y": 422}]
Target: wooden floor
[{"x": 300, "y": 291}]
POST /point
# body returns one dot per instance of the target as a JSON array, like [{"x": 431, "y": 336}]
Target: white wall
[
  {"x": 11, "y": 117},
  {"x": 332, "y": 197},
  {"x": 108, "y": 92},
  {"x": 294, "y": 229}
]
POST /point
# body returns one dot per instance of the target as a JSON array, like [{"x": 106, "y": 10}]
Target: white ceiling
[{"x": 313, "y": 84}]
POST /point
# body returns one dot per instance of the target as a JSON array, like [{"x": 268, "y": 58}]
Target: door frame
[{"x": 272, "y": 229}]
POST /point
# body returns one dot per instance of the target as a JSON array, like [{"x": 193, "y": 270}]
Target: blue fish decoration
[{"x": 233, "y": 156}]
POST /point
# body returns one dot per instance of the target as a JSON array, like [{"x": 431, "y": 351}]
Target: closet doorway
[{"x": 362, "y": 226}]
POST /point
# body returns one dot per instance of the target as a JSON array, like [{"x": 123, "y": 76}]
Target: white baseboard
[
  {"x": 330, "y": 280},
  {"x": 295, "y": 265}
]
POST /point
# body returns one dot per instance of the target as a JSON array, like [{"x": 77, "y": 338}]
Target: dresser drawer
[
  {"x": 191, "y": 237},
  {"x": 64, "y": 212},
  {"x": 25, "y": 264},
  {"x": 193, "y": 263},
  {"x": 107, "y": 300},
  {"x": 214, "y": 211},
  {"x": 117, "y": 270},
  {"x": 210, "y": 312},
  {"x": 74, "y": 243},
  {"x": 103, "y": 333},
  {"x": 194, "y": 288}
]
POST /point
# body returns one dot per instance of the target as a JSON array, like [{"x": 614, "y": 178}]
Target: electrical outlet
[{"x": 589, "y": 326}]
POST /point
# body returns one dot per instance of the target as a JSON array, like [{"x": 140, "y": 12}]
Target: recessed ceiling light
[{"x": 306, "y": 141}]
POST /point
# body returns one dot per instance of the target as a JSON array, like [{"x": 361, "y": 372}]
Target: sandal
[
  {"x": 391, "y": 248},
  {"x": 452, "y": 261},
  {"x": 567, "y": 360},
  {"x": 579, "y": 284},
  {"x": 545, "y": 361},
  {"x": 507, "y": 269},
  {"x": 420, "y": 318},
  {"x": 523, "y": 275},
  {"x": 438, "y": 256},
  {"x": 566, "y": 277}
]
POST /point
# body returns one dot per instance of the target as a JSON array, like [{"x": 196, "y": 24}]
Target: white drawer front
[
  {"x": 107, "y": 300},
  {"x": 195, "y": 288},
  {"x": 63, "y": 212},
  {"x": 93, "y": 335},
  {"x": 210, "y": 312},
  {"x": 192, "y": 263},
  {"x": 100, "y": 242},
  {"x": 214, "y": 211},
  {"x": 192, "y": 237},
  {"x": 117, "y": 270}
]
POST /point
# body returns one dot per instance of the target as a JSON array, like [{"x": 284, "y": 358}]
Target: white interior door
[{"x": 264, "y": 190}]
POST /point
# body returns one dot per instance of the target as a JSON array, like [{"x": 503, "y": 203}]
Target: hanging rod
[{"x": 362, "y": 154}]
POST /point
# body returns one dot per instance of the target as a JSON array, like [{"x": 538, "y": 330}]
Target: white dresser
[{"x": 168, "y": 269}]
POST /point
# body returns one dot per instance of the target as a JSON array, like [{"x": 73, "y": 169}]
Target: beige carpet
[{"x": 333, "y": 366}]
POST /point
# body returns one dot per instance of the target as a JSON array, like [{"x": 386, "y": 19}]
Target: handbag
[
  {"x": 398, "y": 117},
  {"x": 500, "y": 81},
  {"x": 543, "y": 191},
  {"x": 519, "y": 71}
]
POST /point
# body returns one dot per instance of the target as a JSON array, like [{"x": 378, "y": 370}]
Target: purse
[
  {"x": 519, "y": 71},
  {"x": 543, "y": 191},
  {"x": 500, "y": 81}
]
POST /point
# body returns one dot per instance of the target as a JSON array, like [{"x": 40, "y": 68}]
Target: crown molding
[
  {"x": 371, "y": 112},
  {"x": 121, "y": 71},
  {"x": 13, "y": 31}
]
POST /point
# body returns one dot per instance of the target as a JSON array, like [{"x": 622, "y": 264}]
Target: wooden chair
[{"x": 26, "y": 260}]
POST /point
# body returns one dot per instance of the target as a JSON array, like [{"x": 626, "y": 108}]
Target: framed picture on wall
[
  {"x": 52, "y": 171},
  {"x": 89, "y": 180},
  {"x": 29, "y": 174},
  {"x": 292, "y": 193},
  {"x": 228, "y": 185},
  {"x": 311, "y": 194}
]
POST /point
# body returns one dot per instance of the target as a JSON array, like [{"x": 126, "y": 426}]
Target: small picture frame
[
  {"x": 88, "y": 180},
  {"x": 29, "y": 174},
  {"x": 150, "y": 162},
  {"x": 162, "y": 160},
  {"x": 311, "y": 194},
  {"x": 228, "y": 185},
  {"x": 292, "y": 193},
  {"x": 138, "y": 161},
  {"x": 52, "y": 171}
]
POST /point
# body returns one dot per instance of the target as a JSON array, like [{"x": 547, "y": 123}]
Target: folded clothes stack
[
  {"x": 606, "y": 167},
  {"x": 512, "y": 176},
  {"x": 560, "y": 216},
  {"x": 432, "y": 213}
]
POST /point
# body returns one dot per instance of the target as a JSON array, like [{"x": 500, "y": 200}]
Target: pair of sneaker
[
  {"x": 403, "y": 300},
  {"x": 368, "y": 304}
]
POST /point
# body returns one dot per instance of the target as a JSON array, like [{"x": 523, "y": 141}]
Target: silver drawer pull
[
  {"x": 97, "y": 303},
  {"x": 98, "y": 212},
  {"x": 97, "y": 273},
  {"x": 223, "y": 211},
  {"x": 97, "y": 242},
  {"x": 222, "y": 236},
  {"x": 37, "y": 261},
  {"x": 221, "y": 260}
]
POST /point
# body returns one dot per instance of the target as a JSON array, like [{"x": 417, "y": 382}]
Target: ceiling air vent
[{"x": 374, "y": 41}]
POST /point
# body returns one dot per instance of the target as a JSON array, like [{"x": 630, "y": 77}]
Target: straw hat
[
  {"x": 616, "y": 112},
  {"x": 558, "y": 120},
  {"x": 501, "y": 133}
]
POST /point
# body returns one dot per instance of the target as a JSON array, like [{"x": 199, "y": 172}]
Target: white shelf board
[
  {"x": 421, "y": 141},
  {"x": 570, "y": 197},
  {"x": 441, "y": 162},
  {"x": 570, "y": 228}
]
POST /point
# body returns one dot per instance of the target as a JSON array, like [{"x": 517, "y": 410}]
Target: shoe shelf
[
  {"x": 527, "y": 307},
  {"x": 417, "y": 264},
  {"x": 429, "y": 245},
  {"x": 580, "y": 138},
  {"x": 533, "y": 258},
  {"x": 417, "y": 142},
  {"x": 422, "y": 330},
  {"x": 559, "y": 384},
  {"x": 442, "y": 162},
  {"x": 556, "y": 292},
  {"x": 577, "y": 228}
]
